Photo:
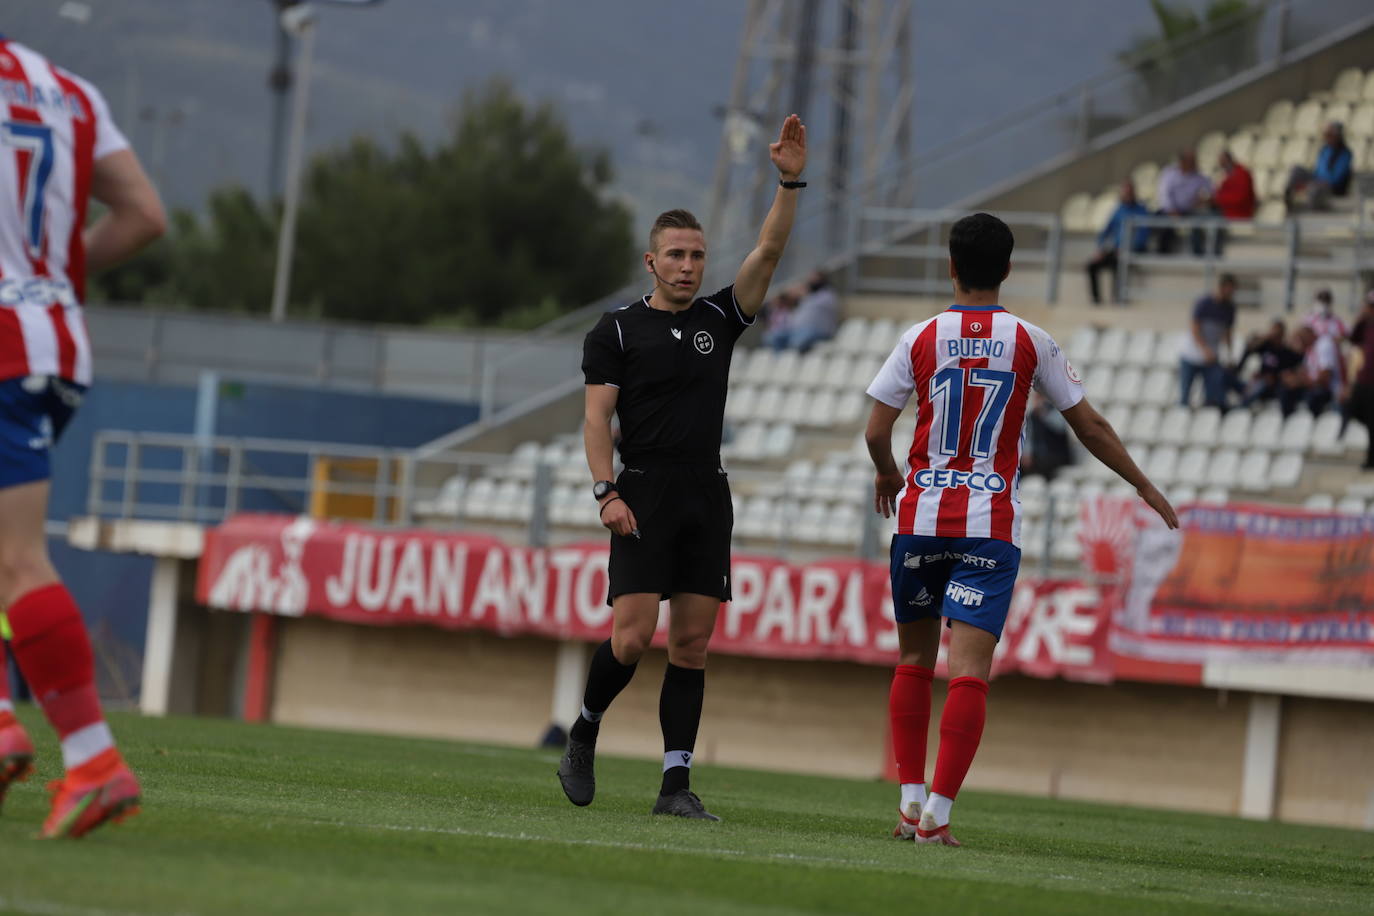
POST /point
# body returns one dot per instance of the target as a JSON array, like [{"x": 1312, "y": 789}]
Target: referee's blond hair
[{"x": 672, "y": 219}]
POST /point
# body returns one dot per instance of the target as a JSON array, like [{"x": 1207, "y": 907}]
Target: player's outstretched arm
[
  {"x": 596, "y": 437},
  {"x": 878, "y": 437},
  {"x": 789, "y": 157},
  {"x": 1098, "y": 437},
  {"x": 135, "y": 216}
]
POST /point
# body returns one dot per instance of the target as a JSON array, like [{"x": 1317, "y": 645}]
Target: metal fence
[{"x": 206, "y": 480}]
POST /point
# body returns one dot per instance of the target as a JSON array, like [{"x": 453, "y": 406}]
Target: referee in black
[{"x": 661, "y": 365}]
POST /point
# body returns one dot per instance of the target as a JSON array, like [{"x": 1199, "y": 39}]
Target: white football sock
[
  {"x": 5, "y": 705},
  {"x": 913, "y": 794},
  {"x": 936, "y": 812},
  {"x": 85, "y": 743}
]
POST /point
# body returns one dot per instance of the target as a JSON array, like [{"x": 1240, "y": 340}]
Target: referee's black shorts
[{"x": 685, "y": 519}]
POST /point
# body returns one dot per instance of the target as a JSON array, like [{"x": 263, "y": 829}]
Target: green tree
[
  {"x": 1177, "y": 60},
  {"x": 505, "y": 221}
]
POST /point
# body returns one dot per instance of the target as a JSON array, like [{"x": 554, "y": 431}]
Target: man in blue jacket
[
  {"x": 1313, "y": 188},
  {"x": 1113, "y": 236}
]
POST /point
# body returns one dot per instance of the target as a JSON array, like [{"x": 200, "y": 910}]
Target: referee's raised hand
[{"x": 616, "y": 515}]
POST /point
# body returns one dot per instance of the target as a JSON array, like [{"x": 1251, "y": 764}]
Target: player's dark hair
[
  {"x": 1227, "y": 280},
  {"x": 672, "y": 219},
  {"x": 980, "y": 247}
]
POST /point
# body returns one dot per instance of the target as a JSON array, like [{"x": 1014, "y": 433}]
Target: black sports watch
[{"x": 603, "y": 488}]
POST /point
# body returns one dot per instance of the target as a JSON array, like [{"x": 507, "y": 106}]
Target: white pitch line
[{"x": 49, "y": 908}]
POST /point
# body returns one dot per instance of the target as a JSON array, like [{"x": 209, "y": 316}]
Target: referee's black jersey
[{"x": 671, "y": 369}]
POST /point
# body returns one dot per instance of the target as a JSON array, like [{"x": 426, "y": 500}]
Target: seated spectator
[
  {"x": 1276, "y": 358},
  {"x": 1361, "y": 404},
  {"x": 1047, "y": 440},
  {"x": 1235, "y": 196},
  {"x": 1207, "y": 347},
  {"x": 1112, "y": 237},
  {"x": 777, "y": 314},
  {"x": 1323, "y": 318},
  {"x": 1312, "y": 189},
  {"x": 1317, "y": 382},
  {"x": 816, "y": 317},
  {"x": 1183, "y": 191}
]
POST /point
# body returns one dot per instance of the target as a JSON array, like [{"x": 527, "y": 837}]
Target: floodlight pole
[{"x": 298, "y": 21}]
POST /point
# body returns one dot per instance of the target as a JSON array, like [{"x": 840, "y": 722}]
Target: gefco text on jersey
[{"x": 945, "y": 479}]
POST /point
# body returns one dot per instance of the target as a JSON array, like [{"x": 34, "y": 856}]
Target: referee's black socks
[
  {"x": 606, "y": 677},
  {"x": 679, "y": 714}
]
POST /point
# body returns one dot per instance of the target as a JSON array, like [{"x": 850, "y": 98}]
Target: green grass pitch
[{"x": 255, "y": 819}]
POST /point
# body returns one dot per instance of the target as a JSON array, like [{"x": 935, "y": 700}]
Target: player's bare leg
[
  {"x": 634, "y": 618},
  {"x": 909, "y": 714},
  {"x": 679, "y": 707},
  {"x": 961, "y": 726},
  {"x": 54, "y": 652}
]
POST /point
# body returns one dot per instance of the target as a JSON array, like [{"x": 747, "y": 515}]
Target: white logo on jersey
[
  {"x": 912, "y": 561},
  {"x": 677, "y": 333},
  {"x": 922, "y": 599},
  {"x": 1072, "y": 373},
  {"x": 945, "y": 479},
  {"x": 968, "y": 597},
  {"x": 976, "y": 326},
  {"x": 703, "y": 342}
]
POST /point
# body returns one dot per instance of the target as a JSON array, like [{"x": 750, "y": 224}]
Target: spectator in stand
[
  {"x": 1111, "y": 238},
  {"x": 816, "y": 317},
  {"x": 1326, "y": 323},
  {"x": 1235, "y": 196},
  {"x": 1361, "y": 403},
  {"x": 1276, "y": 359},
  {"x": 1047, "y": 440},
  {"x": 1183, "y": 192},
  {"x": 1312, "y": 189},
  {"x": 1208, "y": 345},
  {"x": 1317, "y": 382},
  {"x": 777, "y": 315}
]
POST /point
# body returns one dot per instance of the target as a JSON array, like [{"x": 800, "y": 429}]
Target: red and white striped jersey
[
  {"x": 53, "y": 127},
  {"x": 971, "y": 370}
]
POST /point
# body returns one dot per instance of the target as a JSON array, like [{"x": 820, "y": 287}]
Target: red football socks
[
  {"x": 961, "y": 728},
  {"x": 54, "y": 652},
  {"x": 908, "y": 708}
]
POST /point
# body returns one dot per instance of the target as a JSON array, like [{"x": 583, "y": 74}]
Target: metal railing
[
  {"x": 201, "y": 480},
  {"x": 1345, "y": 239},
  {"x": 918, "y": 262}
]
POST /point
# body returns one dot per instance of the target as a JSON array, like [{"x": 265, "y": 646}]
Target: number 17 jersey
[{"x": 971, "y": 370}]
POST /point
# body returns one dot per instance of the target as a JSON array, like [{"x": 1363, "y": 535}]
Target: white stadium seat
[
  {"x": 1254, "y": 471},
  {"x": 1296, "y": 435},
  {"x": 818, "y": 409},
  {"x": 1193, "y": 466},
  {"x": 1140, "y": 349},
  {"x": 1349, "y": 85},
  {"x": 1161, "y": 387},
  {"x": 1223, "y": 468},
  {"x": 1203, "y": 429},
  {"x": 783, "y": 370},
  {"x": 1286, "y": 471},
  {"x": 1173, "y": 428},
  {"x": 1235, "y": 429},
  {"x": 850, "y": 406},
  {"x": 882, "y": 336},
  {"x": 852, "y": 335},
  {"x": 779, "y": 441},
  {"x": 1082, "y": 348},
  {"x": 1326, "y": 435},
  {"x": 1351, "y": 505},
  {"x": 1296, "y": 151},
  {"x": 1103, "y": 205},
  {"x": 1214, "y": 496},
  {"x": 769, "y": 403},
  {"x": 1209, "y": 147},
  {"x": 1129, "y": 385},
  {"x": 1144, "y": 424},
  {"x": 1111, "y": 346},
  {"x": 1119, "y": 416},
  {"x": 748, "y": 442},
  {"x": 1320, "y": 502},
  {"x": 1162, "y": 464},
  {"x": 1279, "y": 118},
  {"x": 1265, "y": 431},
  {"x": 1307, "y": 118},
  {"x": 838, "y": 371},
  {"x": 740, "y": 403},
  {"x": 1356, "y": 437},
  {"x": 760, "y": 368},
  {"x": 1076, "y": 214},
  {"x": 1241, "y": 145},
  {"x": 1267, "y": 152}
]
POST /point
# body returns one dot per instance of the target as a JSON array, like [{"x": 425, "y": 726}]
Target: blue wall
[{"x": 112, "y": 589}]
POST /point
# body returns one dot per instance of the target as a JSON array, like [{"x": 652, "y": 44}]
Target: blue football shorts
[
  {"x": 965, "y": 579},
  {"x": 34, "y": 410}
]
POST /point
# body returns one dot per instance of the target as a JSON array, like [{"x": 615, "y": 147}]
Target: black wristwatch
[{"x": 603, "y": 488}]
